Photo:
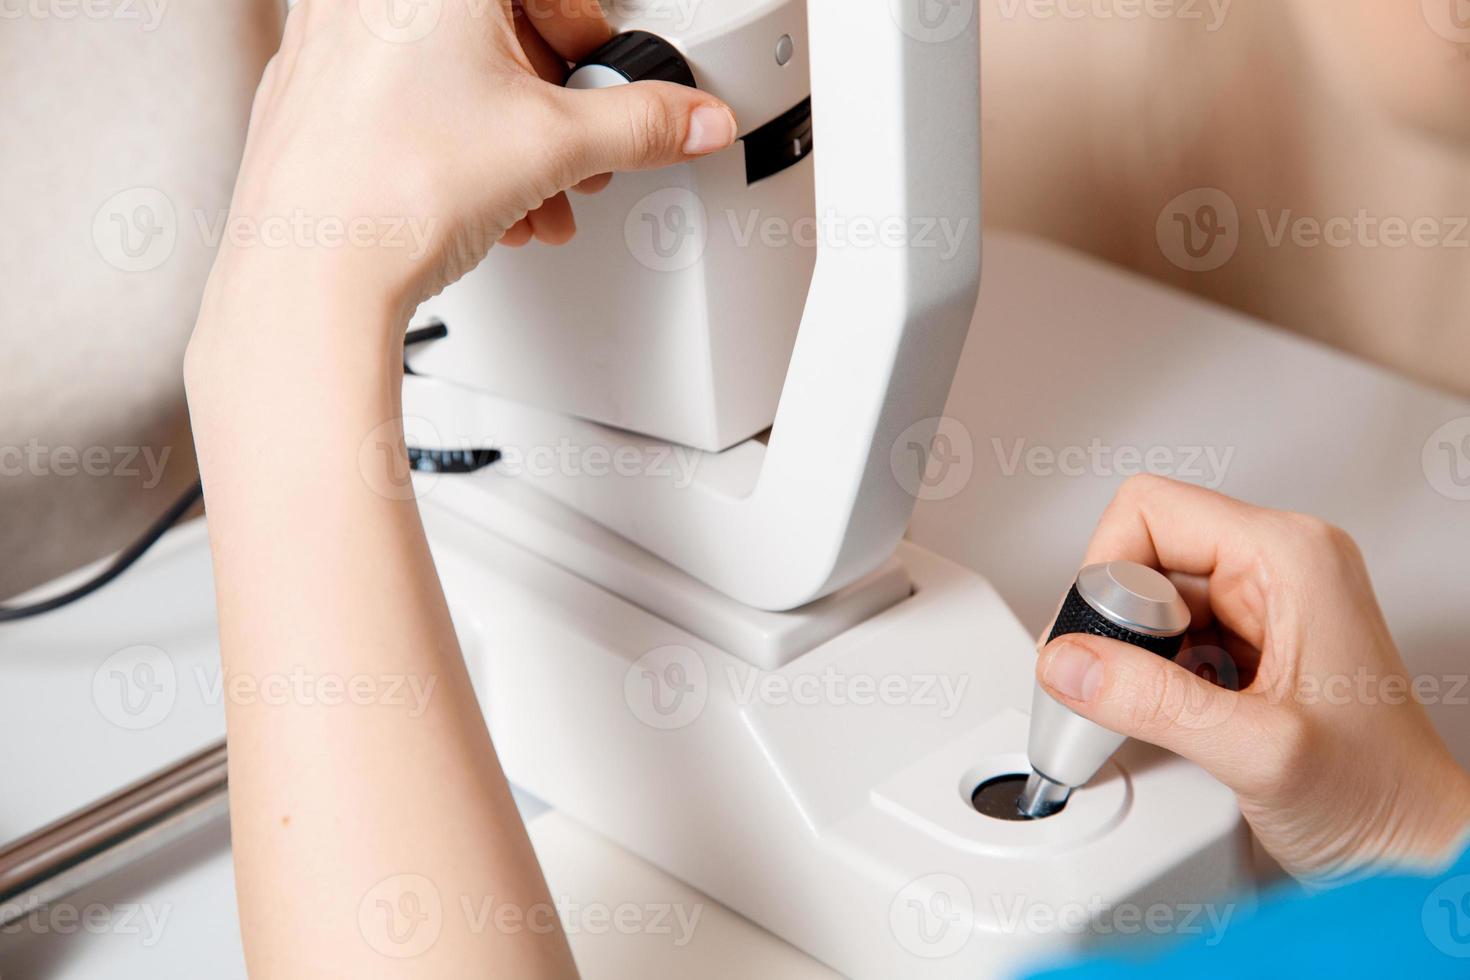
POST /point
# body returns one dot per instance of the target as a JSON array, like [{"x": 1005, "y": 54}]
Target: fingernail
[
  {"x": 1073, "y": 671},
  {"x": 711, "y": 128}
]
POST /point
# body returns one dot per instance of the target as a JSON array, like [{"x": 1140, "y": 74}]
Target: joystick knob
[{"x": 1121, "y": 600}]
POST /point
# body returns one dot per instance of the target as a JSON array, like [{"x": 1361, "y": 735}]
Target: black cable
[
  {"x": 124, "y": 560},
  {"x": 418, "y": 335},
  {"x": 445, "y": 461}
]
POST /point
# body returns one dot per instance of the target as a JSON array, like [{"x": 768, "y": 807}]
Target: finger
[
  {"x": 553, "y": 222},
  {"x": 641, "y": 126},
  {"x": 594, "y": 185},
  {"x": 518, "y": 234},
  {"x": 1195, "y": 591},
  {"x": 573, "y": 28},
  {"x": 1186, "y": 529},
  {"x": 1165, "y": 524},
  {"x": 544, "y": 61},
  {"x": 1137, "y": 693}
]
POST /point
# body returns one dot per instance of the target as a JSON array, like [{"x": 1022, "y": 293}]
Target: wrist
[
  {"x": 1444, "y": 829},
  {"x": 281, "y": 315}
]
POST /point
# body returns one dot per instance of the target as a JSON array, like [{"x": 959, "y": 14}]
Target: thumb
[
  {"x": 642, "y": 126},
  {"x": 1137, "y": 693}
]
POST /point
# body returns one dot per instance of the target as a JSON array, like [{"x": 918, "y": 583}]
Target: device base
[{"x": 828, "y": 799}]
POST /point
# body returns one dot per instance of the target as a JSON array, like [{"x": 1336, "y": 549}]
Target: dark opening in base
[{"x": 997, "y": 797}]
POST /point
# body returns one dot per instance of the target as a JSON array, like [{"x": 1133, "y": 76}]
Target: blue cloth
[{"x": 1386, "y": 926}]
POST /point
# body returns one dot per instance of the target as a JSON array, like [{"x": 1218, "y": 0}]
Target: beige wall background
[
  {"x": 1097, "y": 122},
  {"x": 93, "y": 108}
]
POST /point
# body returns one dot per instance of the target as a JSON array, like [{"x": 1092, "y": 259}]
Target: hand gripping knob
[{"x": 1121, "y": 600}]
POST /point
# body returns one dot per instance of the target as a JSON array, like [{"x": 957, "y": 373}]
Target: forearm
[{"x": 377, "y": 766}]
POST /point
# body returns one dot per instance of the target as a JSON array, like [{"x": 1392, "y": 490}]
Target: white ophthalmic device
[
  {"x": 705, "y": 638},
  {"x": 682, "y": 588}
]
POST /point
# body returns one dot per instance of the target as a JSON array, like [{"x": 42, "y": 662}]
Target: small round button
[{"x": 785, "y": 50}]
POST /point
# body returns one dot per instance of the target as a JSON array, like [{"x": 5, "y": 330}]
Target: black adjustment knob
[
  {"x": 636, "y": 56},
  {"x": 1123, "y": 600}
]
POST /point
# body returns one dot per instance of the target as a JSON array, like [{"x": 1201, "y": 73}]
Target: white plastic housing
[
  {"x": 895, "y": 100},
  {"x": 674, "y": 310}
]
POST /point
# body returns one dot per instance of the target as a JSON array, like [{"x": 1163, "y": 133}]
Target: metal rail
[{"x": 117, "y": 830}]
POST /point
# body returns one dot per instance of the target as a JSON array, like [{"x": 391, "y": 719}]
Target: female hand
[
  {"x": 459, "y": 139},
  {"x": 1314, "y": 722}
]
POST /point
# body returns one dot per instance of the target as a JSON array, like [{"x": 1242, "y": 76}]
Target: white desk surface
[{"x": 1064, "y": 352}]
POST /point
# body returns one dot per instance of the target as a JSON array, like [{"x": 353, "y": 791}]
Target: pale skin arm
[
  {"x": 318, "y": 572},
  {"x": 371, "y": 822}
]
